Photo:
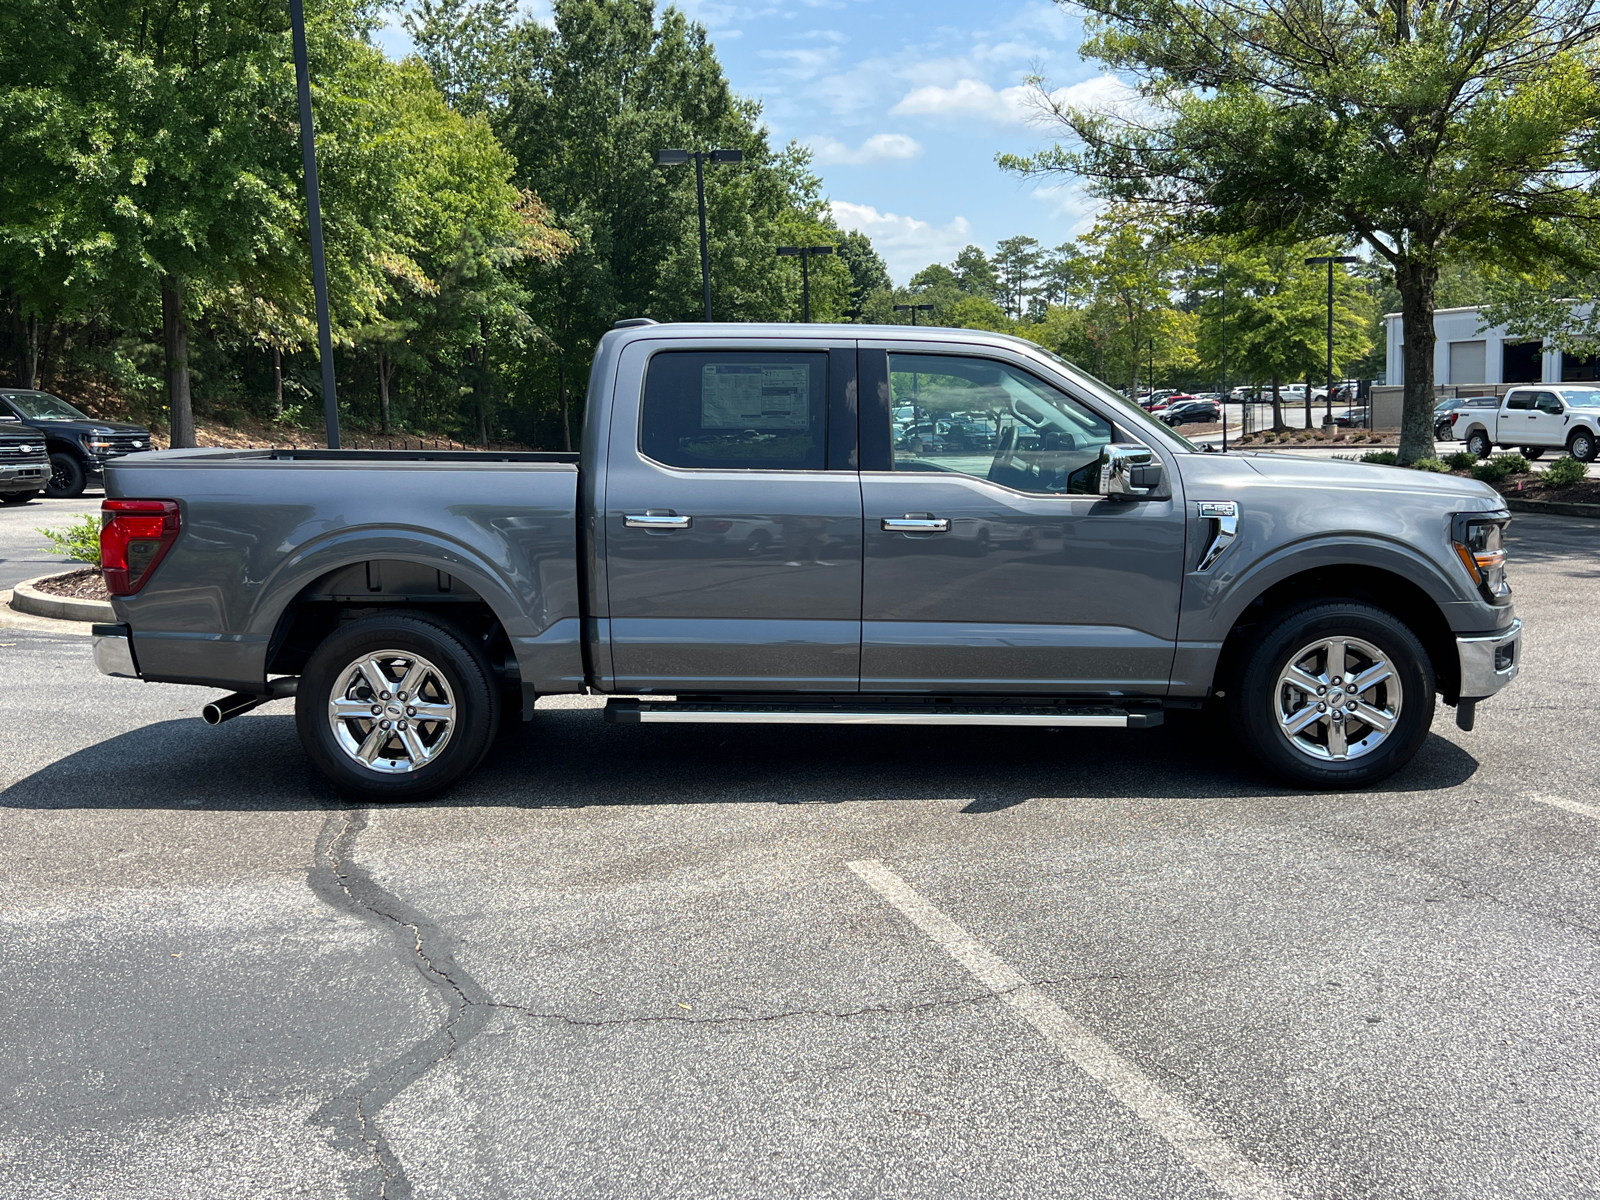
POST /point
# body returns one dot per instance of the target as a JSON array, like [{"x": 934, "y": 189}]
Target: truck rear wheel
[
  {"x": 1478, "y": 444},
  {"x": 397, "y": 707},
  {"x": 1335, "y": 695}
]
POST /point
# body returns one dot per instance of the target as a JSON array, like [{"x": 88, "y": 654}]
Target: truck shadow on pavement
[{"x": 571, "y": 758}]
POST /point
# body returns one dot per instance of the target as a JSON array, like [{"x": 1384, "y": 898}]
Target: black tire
[
  {"x": 18, "y": 498},
  {"x": 67, "y": 478},
  {"x": 1581, "y": 445},
  {"x": 1255, "y": 696},
  {"x": 454, "y": 656},
  {"x": 1478, "y": 444},
  {"x": 1533, "y": 453}
]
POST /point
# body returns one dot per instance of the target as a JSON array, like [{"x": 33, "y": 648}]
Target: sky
[{"x": 905, "y": 104}]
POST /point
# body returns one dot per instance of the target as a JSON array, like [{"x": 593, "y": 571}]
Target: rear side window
[
  {"x": 736, "y": 410},
  {"x": 1519, "y": 401}
]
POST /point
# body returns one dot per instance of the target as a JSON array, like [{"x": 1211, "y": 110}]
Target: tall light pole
[
  {"x": 805, "y": 253},
  {"x": 1330, "y": 259},
  {"x": 913, "y": 309},
  {"x": 677, "y": 158},
  {"x": 319, "y": 265}
]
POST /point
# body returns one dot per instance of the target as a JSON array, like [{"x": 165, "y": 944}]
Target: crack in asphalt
[
  {"x": 868, "y": 1010},
  {"x": 338, "y": 880}
]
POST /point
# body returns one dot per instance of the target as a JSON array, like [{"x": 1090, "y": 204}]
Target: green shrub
[
  {"x": 1384, "y": 458},
  {"x": 1564, "y": 472},
  {"x": 1513, "y": 464},
  {"x": 1495, "y": 469},
  {"x": 1461, "y": 460},
  {"x": 1430, "y": 464},
  {"x": 79, "y": 541}
]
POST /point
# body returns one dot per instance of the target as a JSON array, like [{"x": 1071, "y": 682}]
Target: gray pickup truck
[{"x": 815, "y": 524}]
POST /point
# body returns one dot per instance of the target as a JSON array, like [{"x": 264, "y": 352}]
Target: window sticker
[{"x": 740, "y": 396}]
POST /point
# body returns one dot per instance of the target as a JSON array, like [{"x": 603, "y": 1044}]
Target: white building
[{"x": 1468, "y": 354}]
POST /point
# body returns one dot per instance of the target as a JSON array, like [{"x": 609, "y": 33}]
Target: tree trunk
[
  {"x": 1417, "y": 282},
  {"x": 175, "y": 330},
  {"x": 385, "y": 371},
  {"x": 277, "y": 382},
  {"x": 1308, "y": 401},
  {"x": 1277, "y": 408},
  {"x": 561, "y": 394},
  {"x": 30, "y": 352}
]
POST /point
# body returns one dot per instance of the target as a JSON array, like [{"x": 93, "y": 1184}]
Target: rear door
[
  {"x": 1549, "y": 420},
  {"x": 992, "y": 565},
  {"x": 1514, "y": 423},
  {"x": 733, "y": 517}
]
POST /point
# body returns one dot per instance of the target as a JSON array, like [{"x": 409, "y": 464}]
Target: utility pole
[
  {"x": 913, "y": 309},
  {"x": 677, "y": 158},
  {"x": 1330, "y": 259},
  {"x": 319, "y": 265},
  {"x": 804, "y": 253}
]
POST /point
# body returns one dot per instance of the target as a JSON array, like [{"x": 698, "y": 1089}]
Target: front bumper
[
  {"x": 113, "y": 651},
  {"x": 21, "y": 477},
  {"x": 1489, "y": 663}
]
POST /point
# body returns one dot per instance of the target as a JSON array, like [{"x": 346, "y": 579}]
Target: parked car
[
  {"x": 78, "y": 445},
  {"x": 1191, "y": 412},
  {"x": 24, "y": 465},
  {"x": 1535, "y": 419},
  {"x": 1353, "y": 418},
  {"x": 1447, "y": 412},
  {"x": 1093, "y": 569}
]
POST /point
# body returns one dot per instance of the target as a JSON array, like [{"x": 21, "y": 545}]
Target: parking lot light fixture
[
  {"x": 1313, "y": 261},
  {"x": 913, "y": 309},
  {"x": 804, "y": 254},
  {"x": 678, "y": 158}
]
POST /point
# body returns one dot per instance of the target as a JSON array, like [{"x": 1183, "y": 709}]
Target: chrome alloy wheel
[
  {"x": 392, "y": 711},
  {"x": 1338, "y": 699}
]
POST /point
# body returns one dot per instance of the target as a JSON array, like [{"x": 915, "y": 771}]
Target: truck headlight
[{"x": 1479, "y": 540}]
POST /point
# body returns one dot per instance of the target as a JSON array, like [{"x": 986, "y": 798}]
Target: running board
[{"x": 733, "y": 712}]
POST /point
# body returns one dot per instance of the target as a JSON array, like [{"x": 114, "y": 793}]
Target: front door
[
  {"x": 733, "y": 519},
  {"x": 992, "y": 564}
]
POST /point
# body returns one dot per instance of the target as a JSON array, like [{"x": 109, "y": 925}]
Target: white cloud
[
  {"x": 879, "y": 148},
  {"x": 974, "y": 99},
  {"x": 906, "y": 244}
]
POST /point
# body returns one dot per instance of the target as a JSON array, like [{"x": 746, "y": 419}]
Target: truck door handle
[
  {"x": 654, "y": 521},
  {"x": 910, "y": 524}
]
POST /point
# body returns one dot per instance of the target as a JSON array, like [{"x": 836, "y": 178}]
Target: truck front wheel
[
  {"x": 1581, "y": 445},
  {"x": 1334, "y": 695},
  {"x": 396, "y": 707}
]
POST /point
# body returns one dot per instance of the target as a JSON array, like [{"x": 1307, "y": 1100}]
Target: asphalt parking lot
[{"x": 719, "y": 962}]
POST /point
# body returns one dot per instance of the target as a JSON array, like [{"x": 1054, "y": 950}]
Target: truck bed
[{"x": 261, "y": 528}]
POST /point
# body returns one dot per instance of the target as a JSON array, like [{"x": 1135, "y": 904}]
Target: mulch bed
[
  {"x": 85, "y": 584},
  {"x": 1529, "y": 487}
]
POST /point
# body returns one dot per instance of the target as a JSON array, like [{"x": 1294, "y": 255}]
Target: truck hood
[{"x": 1369, "y": 477}]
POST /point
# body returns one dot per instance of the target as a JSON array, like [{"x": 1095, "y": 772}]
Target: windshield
[
  {"x": 1111, "y": 396},
  {"x": 1581, "y": 397},
  {"x": 42, "y": 406}
]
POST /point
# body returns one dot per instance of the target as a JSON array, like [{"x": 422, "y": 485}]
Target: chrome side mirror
[{"x": 1128, "y": 471}]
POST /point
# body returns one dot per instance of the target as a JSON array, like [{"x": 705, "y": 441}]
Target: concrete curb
[
  {"x": 11, "y": 620},
  {"x": 1555, "y": 507},
  {"x": 26, "y": 598}
]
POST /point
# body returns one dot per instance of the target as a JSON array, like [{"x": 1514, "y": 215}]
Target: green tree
[
  {"x": 1016, "y": 266},
  {"x": 975, "y": 274},
  {"x": 1428, "y": 132},
  {"x": 868, "y": 274}
]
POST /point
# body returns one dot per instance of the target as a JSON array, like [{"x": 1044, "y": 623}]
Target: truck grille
[
  {"x": 14, "y": 452},
  {"x": 127, "y": 443}
]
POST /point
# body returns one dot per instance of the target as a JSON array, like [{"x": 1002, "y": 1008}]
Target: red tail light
[
  {"x": 1453, "y": 417},
  {"x": 135, "y": 535}
]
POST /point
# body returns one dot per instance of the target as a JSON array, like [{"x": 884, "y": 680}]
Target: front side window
[
  {"x": 736, "y": 410},
  {"x": 989, "y": 420},
  {"x": 42, "y": 406},
  {"x": 1546, "y": 402}
]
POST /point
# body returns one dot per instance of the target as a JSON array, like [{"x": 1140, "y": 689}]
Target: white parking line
[
  {"x": 1584, "y": 810},
  {"x": 1186, "y": 1133}
]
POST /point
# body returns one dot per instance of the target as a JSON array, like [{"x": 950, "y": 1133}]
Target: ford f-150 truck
[
  {"x": 743, "y": 538},
  {"x": 1534, "y": 419}
]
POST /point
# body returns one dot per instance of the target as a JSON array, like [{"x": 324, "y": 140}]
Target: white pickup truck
[{"x": 1537, "y": 418}]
